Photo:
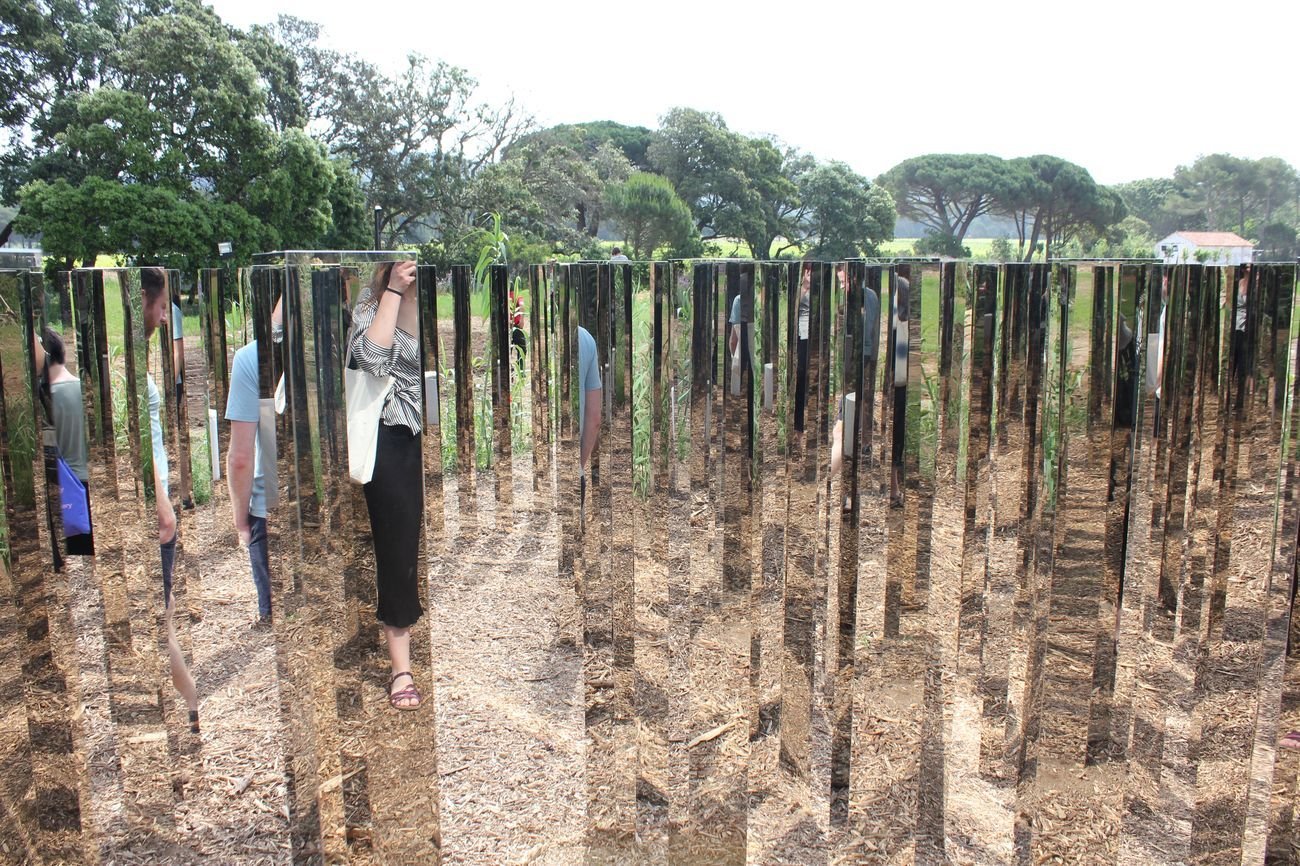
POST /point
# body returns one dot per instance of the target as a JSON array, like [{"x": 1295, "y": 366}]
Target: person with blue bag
[{"x": 67, "y": 414}]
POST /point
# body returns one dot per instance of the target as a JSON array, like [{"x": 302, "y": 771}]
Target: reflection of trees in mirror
[
  {"x": 447, "y": 411},
  {"x": 201, "y": 468},
  {"x": 642, "y": 392},
  {"x": 927, "y": 422},
  {"x": 235, "y": 320},
  {"x": 121, "y": 411},
  {"x": 19, "y": 418},
  {"x": 1059, "y": 406},
  {"x": 482, "y": 415},
  {"x": 22, "y": 445}
]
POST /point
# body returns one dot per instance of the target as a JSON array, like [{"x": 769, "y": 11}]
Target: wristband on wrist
[{"x": 394, "y": 291}]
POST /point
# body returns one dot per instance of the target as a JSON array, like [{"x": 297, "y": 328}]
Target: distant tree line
[
  {"x": 1258, "y": 199},
  {"x": 151, "y": 128}
]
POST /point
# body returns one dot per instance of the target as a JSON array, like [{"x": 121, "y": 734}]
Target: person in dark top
[
  {"x": 801, "y": 350},
  {"x": 1240, "y": 356},
  {"x": 68, "y": 417},
  {"x": 517, "y": 338},
  {"x": 899, "y": 340},
  {"x": 870, "y": 349}
]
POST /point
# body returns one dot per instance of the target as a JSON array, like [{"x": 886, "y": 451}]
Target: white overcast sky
[{"x": 1126, "y": 89}]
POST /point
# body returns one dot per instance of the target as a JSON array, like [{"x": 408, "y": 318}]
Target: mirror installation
[{"x": 341, "y": 558}]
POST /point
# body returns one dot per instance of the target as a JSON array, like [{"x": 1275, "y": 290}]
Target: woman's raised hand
[{"x": 402, "y": 277}]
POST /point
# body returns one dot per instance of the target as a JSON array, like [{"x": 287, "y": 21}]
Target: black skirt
[
  {"x": 395, "y": 500},
  {"x": 83, "y": 544},
  {"x": 900, "y": 425}
]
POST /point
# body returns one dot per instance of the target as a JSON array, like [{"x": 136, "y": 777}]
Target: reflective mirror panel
[{"x": 705, "y": 561}]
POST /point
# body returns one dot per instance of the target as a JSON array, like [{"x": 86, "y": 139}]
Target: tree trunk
[
  {"x": 760, "y": 246},
  {"x": 7, "y": 231},
  {"x": 1033, "y": 238}
]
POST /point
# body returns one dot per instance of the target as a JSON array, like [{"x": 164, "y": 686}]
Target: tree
[
  {"x": 50, "y": 53},
  {"x": 771, "y": 206},
  {"x": 1216, "y": 193},
  {"x": 564, "y": 186},
  {"x": 151, "y": 222},
  {"x": 293, "y": 198},
  {"x": 652, "y": 215},
  {"x": 587, "y": 138},
  {"x": 177, "y": 154},
  {"x": 1219, "y": 192},
  {"x": 277, "y": 69},
  {"x": 1277, "y": 241},
  {"x": 1277, "y": 186},
  {"x": 208, "y": 95},
  {"x": 417, "y": 141},
  {"x": 319, "y": 73},
  {"x": 947, "y": 192},
  {"x": 706, "y": 164},
  {"x": 849, "y": 216},
  {"x": 351, "y": 223},
  {"x": 24, "y": 31},
  {"x": 1148, "y": 200},
  {"x": 1056, "y": 201}
]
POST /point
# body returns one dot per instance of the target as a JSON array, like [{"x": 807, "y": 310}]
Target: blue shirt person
[
  {"x": 589, "y": 400},
  {"x": 244, "y": 472}
]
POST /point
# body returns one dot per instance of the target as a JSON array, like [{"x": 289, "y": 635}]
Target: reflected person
[
  {"x": 801, "y": 355},
  {"x": 1240, "y": 356},
  {"x": 517, "y": 337},
  {"x": 383, "y": 343},
  {"x": 590, "y": 396},
  {"x": 153, "y": 286},
  {"x": 870, "y": 350},
  {"x": 68, "y": 416},
  {"x": 244, "y": 468},
  {"x": 178, "y": 349},
  {"x": 737, "y": 346},
  {"x": 899, "y": 338},
  {"x": 1156, "y": 353}
]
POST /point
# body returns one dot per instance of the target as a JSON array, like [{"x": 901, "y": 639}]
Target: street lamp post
[{"x": 379, "y": 216}]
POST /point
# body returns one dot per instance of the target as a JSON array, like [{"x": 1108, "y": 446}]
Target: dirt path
[{"x": 510, "y": 729}]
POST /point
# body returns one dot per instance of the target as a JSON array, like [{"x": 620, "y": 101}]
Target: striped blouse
[{"x": 403, "y": 406}]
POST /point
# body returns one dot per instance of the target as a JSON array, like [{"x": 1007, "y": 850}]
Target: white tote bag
[
  {"x": 364, "y": 395},
  {"x": 735, "y": 372}
]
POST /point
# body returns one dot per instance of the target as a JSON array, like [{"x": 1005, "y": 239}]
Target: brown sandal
[{"x": 404, "y": 694}]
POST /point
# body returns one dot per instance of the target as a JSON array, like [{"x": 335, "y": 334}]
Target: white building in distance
[{"x": 1213, "y": 248}]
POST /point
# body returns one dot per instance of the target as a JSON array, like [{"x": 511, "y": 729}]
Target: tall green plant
[{"x": 493, "y": 251}]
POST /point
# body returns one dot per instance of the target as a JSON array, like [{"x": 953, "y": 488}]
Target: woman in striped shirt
[{"x": 384, "y": 342}]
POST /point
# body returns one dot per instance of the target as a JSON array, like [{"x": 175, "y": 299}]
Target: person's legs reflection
[
  {"x": 395, "y": 500},
  {"x": 259, "y": 561}
]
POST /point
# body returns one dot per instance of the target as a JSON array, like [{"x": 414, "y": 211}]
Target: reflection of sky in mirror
[{"x": 956, "y": 82}]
